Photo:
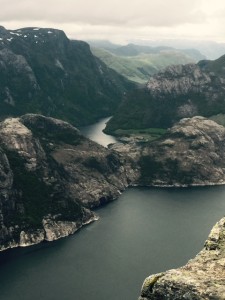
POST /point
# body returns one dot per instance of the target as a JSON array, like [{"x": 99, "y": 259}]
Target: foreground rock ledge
[{"x": 201, "y": 278}]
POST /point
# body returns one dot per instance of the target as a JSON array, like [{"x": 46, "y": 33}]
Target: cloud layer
[{"x": 120, "y": 19}]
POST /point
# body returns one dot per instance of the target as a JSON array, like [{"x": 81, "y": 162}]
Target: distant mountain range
[
  {"x": 210, "y": 49},
  {"x": 42, "y": 71},
  {"x": 138, "y": 63},
  {"x": 175, "y": 93}
]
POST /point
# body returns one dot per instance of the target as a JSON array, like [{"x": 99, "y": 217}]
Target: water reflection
[{"x": 95, "y": 133}]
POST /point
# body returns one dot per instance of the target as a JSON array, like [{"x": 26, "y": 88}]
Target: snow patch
[
  {"x": 36, "y": 28},
  {"x": 14, "y": 33},
  {"x": 59, "y": 64},
  {"x": 10, "y": 39},
  {"x": 50, "y": 32}
]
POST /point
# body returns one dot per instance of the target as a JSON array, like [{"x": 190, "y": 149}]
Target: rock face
[
  {"x": 201, "y": 278},
  {"x": 190, "y": 153},
  {"x": 50, "y": 178},
  {"x": 42, "y": 71},
  {"x": 175, "y": 93}
]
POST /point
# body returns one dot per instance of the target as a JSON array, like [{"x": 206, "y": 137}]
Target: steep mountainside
[
  {"x": 50, "y": 177},
  {"x": 138, "y": 63},
  {"x": 178, "y": 92},
  {"x": 42, "y": 71}
]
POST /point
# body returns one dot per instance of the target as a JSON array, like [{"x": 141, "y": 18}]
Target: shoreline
[{"x": 38, "y": 236}]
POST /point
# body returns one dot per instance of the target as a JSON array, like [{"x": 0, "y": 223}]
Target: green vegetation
[
  {"x": 141, "y": 110},
  {"x": 140, "y": 67},
  {"x": 148, "y": 134}
]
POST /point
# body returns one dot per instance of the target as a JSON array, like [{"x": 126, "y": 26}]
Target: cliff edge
[{"x": 202, "y": 278}]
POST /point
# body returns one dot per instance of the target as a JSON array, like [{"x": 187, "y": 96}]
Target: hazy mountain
[
  {"x": 210, "y": 49},
  {"x": 105, "y": 44},
  {"x": 138, "y": 63}
]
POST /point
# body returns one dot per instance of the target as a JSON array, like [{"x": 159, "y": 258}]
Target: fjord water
[
  {"x": 95, "y": 133},
  {"x": 147, "y": 230}
]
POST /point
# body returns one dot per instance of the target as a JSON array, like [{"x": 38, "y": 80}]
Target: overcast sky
[{"x": 120, "y": 20}]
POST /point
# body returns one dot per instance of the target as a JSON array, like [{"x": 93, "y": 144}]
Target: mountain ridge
[
  {"x": 139, "y": 63},
  {"x": 42, "y": 71},
  {"x": 170, "y": 95}
]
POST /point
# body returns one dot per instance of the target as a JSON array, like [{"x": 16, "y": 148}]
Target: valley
[{"x": 55, "y": 178}]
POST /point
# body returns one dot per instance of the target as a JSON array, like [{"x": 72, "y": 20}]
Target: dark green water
[{"x": 147, "y": 230}]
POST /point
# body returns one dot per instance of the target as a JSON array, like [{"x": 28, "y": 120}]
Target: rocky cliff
[
  {"x": 202, "y": 278},
  {"x": 190, "y": 153},
  {"x": 50, "y": 178},
  {"x": 42, "y": 71},
  {"x": 175, "y": 93}
]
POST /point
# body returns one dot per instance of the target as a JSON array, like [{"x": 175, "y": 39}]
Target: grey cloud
[
  {"x": 104, "y": 12},
  {"x": 119, "y": 19}
]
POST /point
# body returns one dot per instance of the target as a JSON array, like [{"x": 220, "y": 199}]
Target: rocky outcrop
[
  {"x": 201, "y": 278},
  {"x": 190, "y": 153},
  {"x": 178, "y": 80},
  {"x": 55, "y": 76},
  {"x": 50, "y": 178},
  {"x": 177, "y": 92}
]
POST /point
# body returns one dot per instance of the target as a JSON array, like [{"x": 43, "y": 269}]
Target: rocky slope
[
  {"x": 202, "y": 278},
  {"x": 190, "y": 153},
  {"x": 178, "y": 92},
  {"x": 50, "y": 178},
  {"x": 42, "y": 71}
]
